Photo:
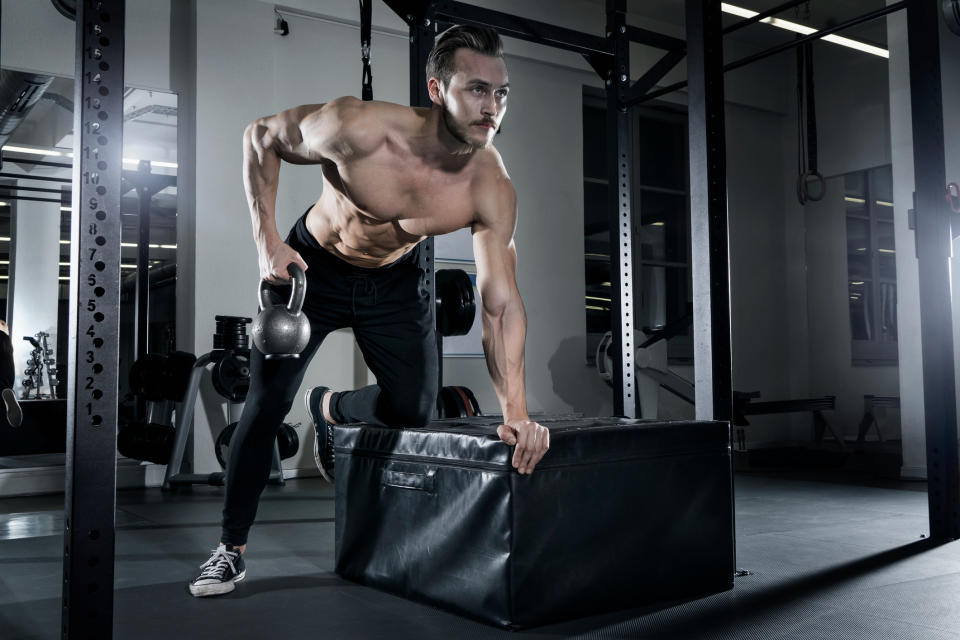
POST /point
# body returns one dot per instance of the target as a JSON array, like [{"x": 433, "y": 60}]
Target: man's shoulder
[
  {"x": 349, "y": 108},
  {"x": 364, "y": 125},
  {"x": 490, "y": 173}
]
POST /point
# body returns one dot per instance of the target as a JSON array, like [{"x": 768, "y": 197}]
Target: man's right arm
[{"x": 309, "y": 134}]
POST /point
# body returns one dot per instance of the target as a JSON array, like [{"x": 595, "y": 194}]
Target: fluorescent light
[
  {"x": 64, "y": 264},
  {"x": 167, "y": 246},
  {"x": 128, "y": 244},
  {"x": 596, "y": 308},
  {"x": 596, "y": 298},
  {"x": 64, "y": 278},
  {"x": 66, "y": 209},
  {"x": 4, "y": 238},
  {"x": 4, "y": 262},
  {"x": 128, "y": 266},
  {"x": 805, "y": 30},
  {"x": 155, "y": 163},
  {"x": 852, "y": 199},
  {"x": 884, "y": 203},
  {"x": 856, "y": 283},
  {"x": 4, "y": 204},
  {"x": 64, "y": 242},
  {"x": 887, "y": 250},
  {"x": 33, "y": 151},
  {"x": 656, "y": 224}
]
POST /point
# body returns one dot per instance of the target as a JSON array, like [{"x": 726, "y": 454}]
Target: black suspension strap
[
  {"x": 366, "y": 19},
  {"x": 807, "y": 129}
]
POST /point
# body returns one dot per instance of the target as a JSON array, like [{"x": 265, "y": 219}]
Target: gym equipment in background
[
  {"x": 743, "y": 402},
  {"x": 159, "y": 380},
  {"x": 40, "y": 360},
  {"x": 230, "y": 373}
]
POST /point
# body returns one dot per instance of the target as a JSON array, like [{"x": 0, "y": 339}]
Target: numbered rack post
[{"x": 91, "y": 459}]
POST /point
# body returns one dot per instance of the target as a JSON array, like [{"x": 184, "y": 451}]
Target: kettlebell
[{"x": 283, "y": 330}]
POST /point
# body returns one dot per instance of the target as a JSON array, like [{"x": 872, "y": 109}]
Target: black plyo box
[{"x": 620, "y": 513}]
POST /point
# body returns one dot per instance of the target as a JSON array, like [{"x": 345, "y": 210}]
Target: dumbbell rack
[
  {"x": 235, "y": 342},
  {"x": 39, "y": 360}
]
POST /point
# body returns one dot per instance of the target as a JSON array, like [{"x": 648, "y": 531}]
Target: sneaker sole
[
  {"x": 14, "y": 412},
  {"x": 316, "y": 449},
  {"x": 216, "y": 588}
]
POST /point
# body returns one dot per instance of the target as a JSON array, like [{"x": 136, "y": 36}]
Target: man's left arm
[{"x": 504, "y": 322}]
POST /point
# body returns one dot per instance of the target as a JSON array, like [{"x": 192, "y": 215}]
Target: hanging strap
[
  {"x": 807, "y": 129},
  {"x": 366, "y": 19},
  {"x": 811, "y": 109}
]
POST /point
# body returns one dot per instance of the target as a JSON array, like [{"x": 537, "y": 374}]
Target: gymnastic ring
[
  {"x": 803, "y": 187},
  {"x": 953, "y": 197}
]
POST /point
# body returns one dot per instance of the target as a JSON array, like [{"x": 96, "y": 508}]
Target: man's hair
[{"x": 440, "y": 62}]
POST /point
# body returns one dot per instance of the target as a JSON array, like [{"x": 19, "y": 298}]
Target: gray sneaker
[
  {"x": 323, "y": 443},
  {"x": 14, "y": 412},
  {"x": 220, "y": 573}
]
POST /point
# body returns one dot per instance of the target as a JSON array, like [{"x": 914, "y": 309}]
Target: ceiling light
[
  {"x": 153, "y": 163},
  {"x": 852, "y": 199},
  {"x": 4, "y": 204},
  {"x": 805, "y": 30},
  {"x": 884, "y": 203},
  {"x": 65, "y": 209},
  {"x": 36, "y": 152},
  {"x": 887, "y": 250}
]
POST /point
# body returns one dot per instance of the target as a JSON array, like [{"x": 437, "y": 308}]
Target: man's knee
[{"x": 414, "y": 409}]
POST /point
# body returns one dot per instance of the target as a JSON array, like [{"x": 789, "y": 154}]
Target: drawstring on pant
[{"x": 369, "y": 288}]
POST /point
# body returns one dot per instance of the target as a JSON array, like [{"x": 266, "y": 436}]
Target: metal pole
[
  {"x": 708, "y": 212},
  {"x": 934, "y": 244},
  {"x": 620, "y": 171},
  {"x": 91, "y": 453},
  {"x": 422, "y": 34}
]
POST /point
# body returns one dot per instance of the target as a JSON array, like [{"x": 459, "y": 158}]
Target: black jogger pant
[{"x": 389, "y": 312}]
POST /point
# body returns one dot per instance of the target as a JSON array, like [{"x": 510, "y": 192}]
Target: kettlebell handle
[{"x": 296, "y": 296}]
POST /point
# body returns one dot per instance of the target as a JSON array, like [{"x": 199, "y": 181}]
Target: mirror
[{"x": 36, "y": 138}]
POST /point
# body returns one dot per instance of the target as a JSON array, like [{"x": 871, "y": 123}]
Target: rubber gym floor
[{"x": 827, "y": 560}]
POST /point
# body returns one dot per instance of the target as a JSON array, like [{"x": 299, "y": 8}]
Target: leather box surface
[{"x": 618, "y": 514}]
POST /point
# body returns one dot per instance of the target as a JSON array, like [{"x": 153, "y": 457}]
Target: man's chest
[{"x": 423, "y": 201}]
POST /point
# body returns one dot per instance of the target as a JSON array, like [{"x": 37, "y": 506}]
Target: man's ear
[{"x": 435, "y": 89}]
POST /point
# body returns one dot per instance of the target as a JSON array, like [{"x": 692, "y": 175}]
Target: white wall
[{"x": 36, "y": 37}]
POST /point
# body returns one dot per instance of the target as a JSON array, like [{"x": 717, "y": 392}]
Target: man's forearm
[
  {"x": 261, "y": 175},
  {"x": 504, "y": 335}
]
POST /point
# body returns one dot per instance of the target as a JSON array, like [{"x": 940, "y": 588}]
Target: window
[
  {"x": 661, "y": 232},
  {"x": 871, "y": 266}
]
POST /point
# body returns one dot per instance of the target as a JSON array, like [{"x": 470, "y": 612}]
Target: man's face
[{"x": 475, "y": 99}]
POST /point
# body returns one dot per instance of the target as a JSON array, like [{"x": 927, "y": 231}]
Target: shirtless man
[{"x": 392, "y": 176}]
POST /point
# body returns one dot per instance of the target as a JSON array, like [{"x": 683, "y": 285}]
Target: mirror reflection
[{"x": 36, "y": 139}]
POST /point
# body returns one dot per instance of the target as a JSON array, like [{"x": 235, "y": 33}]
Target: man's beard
[{"x": 458, "y": 131}]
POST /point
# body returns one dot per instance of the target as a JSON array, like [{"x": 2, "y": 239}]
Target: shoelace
[{"x": 214, "y": 567}]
